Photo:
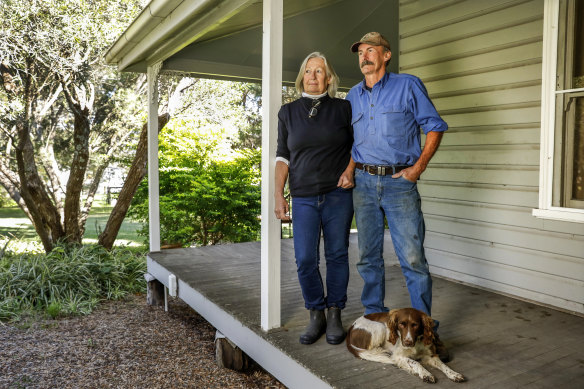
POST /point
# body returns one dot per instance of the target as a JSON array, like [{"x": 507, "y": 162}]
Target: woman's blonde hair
[{"x": 330, "y": 72}]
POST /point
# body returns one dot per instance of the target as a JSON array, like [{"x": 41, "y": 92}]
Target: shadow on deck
[{"x": 495, "y": 341}]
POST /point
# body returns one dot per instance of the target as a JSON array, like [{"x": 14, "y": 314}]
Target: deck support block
[
  {"x": 154, "y": 291},
  {"x": 228, "y": 355}
]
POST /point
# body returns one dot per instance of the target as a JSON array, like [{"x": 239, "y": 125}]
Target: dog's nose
[{"x": 408, "y": 342}]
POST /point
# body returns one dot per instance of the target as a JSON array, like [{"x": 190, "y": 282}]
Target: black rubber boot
[
  {"x": 315, "y": 328},
  {"x": 335, "y": 333}
]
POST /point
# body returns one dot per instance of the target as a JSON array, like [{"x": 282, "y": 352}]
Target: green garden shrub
[{"x": 207, "y": 196}]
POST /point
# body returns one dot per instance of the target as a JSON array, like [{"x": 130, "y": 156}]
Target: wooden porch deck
[{"x": 495, "y": 341}]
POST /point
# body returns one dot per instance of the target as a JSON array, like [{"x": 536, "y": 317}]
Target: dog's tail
[
  {"x": 376, "y": 355},
  {"x": 354, "y": 350}
]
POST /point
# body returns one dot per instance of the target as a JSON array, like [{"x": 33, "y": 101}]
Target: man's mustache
[{"x": 366, "y": 62}]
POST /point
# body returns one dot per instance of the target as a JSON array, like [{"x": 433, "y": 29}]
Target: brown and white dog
[{"x": 400, "y": 337}]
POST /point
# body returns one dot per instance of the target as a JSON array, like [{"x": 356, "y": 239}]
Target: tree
[
  {"x": 60, "y": 103},
  {"x": 65, "y": 115}
]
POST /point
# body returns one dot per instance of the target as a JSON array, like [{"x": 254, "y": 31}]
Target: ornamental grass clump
[{"x": 70, "y": 280}]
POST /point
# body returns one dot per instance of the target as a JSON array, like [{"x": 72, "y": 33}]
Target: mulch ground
[{"x": 123, "y": 344}]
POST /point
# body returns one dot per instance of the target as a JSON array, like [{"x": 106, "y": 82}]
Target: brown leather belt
[{"x": 381, "y": 170}]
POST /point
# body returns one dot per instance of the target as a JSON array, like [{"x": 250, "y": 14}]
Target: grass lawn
[{"x": 14, "y": 223}]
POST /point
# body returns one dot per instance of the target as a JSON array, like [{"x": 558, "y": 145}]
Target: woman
[{"x": 314, "y": 146}]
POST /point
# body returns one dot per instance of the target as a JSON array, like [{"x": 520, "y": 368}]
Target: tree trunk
[
  {"x": 77, "y": 175},
  {"x": 135, "y": 175},
  {"x": 38, "y": 204},
  {"x": 44, "y": 214}
]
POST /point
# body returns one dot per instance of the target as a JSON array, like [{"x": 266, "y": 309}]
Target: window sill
[{"x": 563, "y": 214}]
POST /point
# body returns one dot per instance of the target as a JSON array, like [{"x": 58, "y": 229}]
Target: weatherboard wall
[{"x": 481, "y": 63}]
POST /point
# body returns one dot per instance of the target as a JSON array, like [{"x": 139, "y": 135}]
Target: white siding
[{"x": 481, "y": 63}]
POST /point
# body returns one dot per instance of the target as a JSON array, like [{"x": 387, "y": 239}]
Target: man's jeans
[
  {"x": 333, "y": 212},
  {"x": 398, "y": 199}
]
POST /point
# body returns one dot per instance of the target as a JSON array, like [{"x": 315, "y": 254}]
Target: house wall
[{"x": 481, "y": 63}]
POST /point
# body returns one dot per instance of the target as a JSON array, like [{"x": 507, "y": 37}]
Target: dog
[{"x": 400, "y": 337}]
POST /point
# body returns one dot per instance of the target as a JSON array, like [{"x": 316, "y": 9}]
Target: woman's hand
[
  {"x": 282, "y": 208},
  {"x": 347, "y": 179}
]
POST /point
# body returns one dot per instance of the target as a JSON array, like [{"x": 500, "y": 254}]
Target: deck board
[{"x": 496, "y": 341}]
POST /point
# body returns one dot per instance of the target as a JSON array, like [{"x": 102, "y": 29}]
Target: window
[
  {"x": 569, "y": 144},
  {"x": 562, "y": 140}
]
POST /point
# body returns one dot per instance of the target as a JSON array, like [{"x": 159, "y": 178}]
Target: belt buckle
[{"x": 367, "y": 169}]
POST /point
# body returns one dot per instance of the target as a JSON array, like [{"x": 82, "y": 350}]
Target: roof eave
[
  {"x": 165, "y": 27},
  {"x": 150, "y": 17}
]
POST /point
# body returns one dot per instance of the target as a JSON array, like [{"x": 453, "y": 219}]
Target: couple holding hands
[{"x": 361, "y": 154}]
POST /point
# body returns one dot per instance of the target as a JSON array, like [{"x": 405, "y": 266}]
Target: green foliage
[
  {"x": 68, "y": 280},
  {"x": 208, "y": 195}
]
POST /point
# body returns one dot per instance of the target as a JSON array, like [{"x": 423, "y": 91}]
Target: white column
[
  {"x": 272, "y": 100},
  {"x": 153, "y": 182}
]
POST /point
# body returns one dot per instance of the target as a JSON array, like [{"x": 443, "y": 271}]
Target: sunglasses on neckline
[{"x": 313, "y": 111}]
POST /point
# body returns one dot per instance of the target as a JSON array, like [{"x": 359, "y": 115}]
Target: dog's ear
[
  {"x": 392, "y": 326},
  {"x": 428, "y": 329}
]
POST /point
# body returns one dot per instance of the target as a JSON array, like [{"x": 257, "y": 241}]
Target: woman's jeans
[
  {"x": 333, "y": 212},
  {"x": 397, "y": 199}
]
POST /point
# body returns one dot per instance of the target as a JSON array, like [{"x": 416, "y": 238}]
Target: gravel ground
[{"x": 123, "y": 344}]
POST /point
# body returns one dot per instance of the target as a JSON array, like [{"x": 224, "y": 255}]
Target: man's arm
[
  {"x": 282, "y": 206},
  {"x": 414, "y": 172}
]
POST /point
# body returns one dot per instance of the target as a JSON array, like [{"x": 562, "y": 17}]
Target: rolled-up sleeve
[
  {"x": 424, "y": 110},
  {"x": 282, "y": 151}
]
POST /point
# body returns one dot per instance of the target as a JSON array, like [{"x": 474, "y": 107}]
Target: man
[{"x": 388, "y": 111}]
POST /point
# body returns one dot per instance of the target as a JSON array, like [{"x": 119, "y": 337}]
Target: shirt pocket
[
  {"x": 359, "y": 128},
  {"x": 392, "y": 122}
]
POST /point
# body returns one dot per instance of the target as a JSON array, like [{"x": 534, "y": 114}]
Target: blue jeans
[
  {"x": 333, "y": 212},
  {"x": 399, "y": 201}
]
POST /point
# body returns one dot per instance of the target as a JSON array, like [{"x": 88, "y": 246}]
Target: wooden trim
[
  {"x": 153, "y": 180},
  {"x": 563, "y": 214},
  {"x": 273, "y": 19},
  {"x": 549, "y": 64}
]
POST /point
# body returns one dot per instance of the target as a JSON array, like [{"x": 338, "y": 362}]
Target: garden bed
[{"x": 121, "y": 344}]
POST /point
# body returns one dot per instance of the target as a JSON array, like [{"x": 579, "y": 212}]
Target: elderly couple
[{"x": 362, "y": 153}]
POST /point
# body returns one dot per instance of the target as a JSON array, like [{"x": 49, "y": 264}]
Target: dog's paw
[
  {"x": 457, "y": 377},
  {"x": 429, "y": 379}
]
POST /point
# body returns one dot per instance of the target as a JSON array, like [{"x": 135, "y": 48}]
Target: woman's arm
[{"x": 282, "y": 207}]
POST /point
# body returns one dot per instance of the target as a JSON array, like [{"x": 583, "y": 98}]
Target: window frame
[{"x": 548, "y": 121}]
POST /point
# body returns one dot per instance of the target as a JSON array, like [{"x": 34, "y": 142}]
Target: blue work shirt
[{"x": 386, "y": 121}]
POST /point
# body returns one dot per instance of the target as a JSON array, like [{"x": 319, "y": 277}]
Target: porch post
[
  {"x": 153, "y": 182},
  {"x": 272, "y": 99}
]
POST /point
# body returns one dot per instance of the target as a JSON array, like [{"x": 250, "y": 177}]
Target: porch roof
[{"x": 222, "y": 39}]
